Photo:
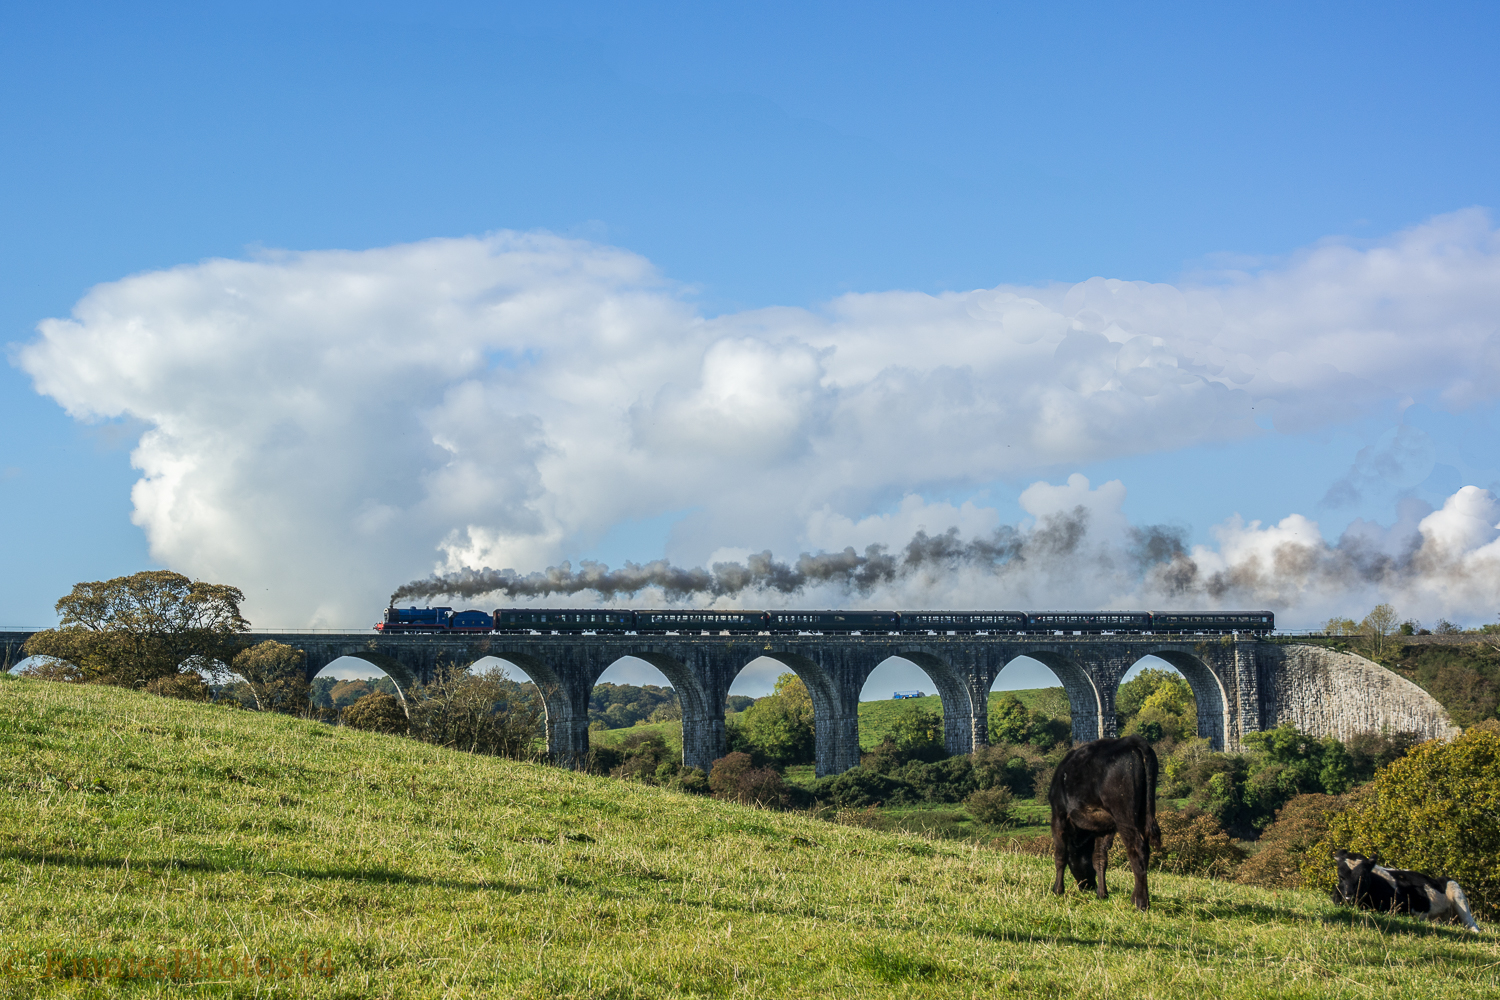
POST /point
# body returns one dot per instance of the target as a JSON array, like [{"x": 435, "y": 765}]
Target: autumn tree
[
  {"x": 277, "y": 673},
  {"x": 137, "y": 629},
  {"x": 1379, "y": 623}
]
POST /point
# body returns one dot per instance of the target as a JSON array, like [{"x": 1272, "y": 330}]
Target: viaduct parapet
[{"x": 1241, "y": 685}]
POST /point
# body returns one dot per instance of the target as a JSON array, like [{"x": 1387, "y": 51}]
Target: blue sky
[{"x": 755, "y": 157}]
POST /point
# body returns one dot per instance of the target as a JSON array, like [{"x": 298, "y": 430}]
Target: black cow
[
  {"x": 1101, "y": 789},
  {"x": 1369, "y": 886}
]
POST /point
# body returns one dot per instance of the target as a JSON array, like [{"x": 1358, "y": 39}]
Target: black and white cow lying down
[{"x": 1368, "y": 886}]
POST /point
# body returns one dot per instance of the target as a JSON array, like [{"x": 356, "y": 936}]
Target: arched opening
[
  {"x": 1170, "y": 694},
  {"x": 46, "y": 667},
  {"x": 775, "y": 727},
  {"x": 566, "y": 712},
  {"x": 904, "y": 696},
  {"x": 1029, "y": 706},
  {"x": 344, "y": 681},
  {"x": 631, "y": 694},
  {"x": 1085, "y": 703}
]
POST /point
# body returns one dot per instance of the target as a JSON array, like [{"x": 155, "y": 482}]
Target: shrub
[
  {"x": 1436, "y": 810},
  {"x": 378, "y": 713},
  {"x": 48, "y": 668},
  {"x": 1283, "y": 849},
  {"x": 861, "y": 787},
  {"x": 735, "y": 778},
  {"x": 186, "y": 686},
  {"x": 643, "y": 757},
  {"x": 1017, "y": 767},
  {"x": 1192, "y": 843},
  {"x": 991, "y": 805},
  {"x": 691, "y": 780},
  {"x": 941, "y": 781}
]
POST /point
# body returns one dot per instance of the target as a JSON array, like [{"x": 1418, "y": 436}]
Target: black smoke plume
[{"x": 1055, "y": 538}]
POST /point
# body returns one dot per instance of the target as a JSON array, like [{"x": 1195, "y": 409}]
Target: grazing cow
[
  {"x": 1368, "y": 886},
  {"x": 1101, "y": 789}
]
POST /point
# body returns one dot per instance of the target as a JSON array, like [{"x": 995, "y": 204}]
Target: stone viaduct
[{"x": 1241, "y": 684}]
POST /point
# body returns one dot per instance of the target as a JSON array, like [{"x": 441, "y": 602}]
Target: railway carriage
[
  {"x": 963, "y": 621},
  {"x": 699, "y": 621},
  {"x": 1097, "y": 621},
  {"x": 833, "y": 621},
  {"x": 1212, "y": 623},
  {"x": 563, "y": 620}
]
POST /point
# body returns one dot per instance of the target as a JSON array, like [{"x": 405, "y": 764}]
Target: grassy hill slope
[{"x": 132, "y": 826}]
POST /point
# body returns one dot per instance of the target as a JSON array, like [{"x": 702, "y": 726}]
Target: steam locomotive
[{"x": 605, "y": 621}]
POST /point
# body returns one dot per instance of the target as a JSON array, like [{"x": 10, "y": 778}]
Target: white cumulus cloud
[{"x": 330, "y": 424}]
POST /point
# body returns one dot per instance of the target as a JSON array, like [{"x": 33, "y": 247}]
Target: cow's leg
[
  {"x": 1460, "y": 904},
  {"x": 1059, "y": 854},
  {"x": 1137, "y": 851},
  {"x": 1101, "y": 862}
]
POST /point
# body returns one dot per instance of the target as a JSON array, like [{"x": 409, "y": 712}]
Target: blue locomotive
[{"x": 605, "y": 620}]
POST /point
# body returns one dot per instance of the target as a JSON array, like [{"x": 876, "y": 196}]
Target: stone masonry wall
[{"x": 1328, "y": 693}]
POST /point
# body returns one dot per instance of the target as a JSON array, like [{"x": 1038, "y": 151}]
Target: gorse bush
[
  {"x": 736, "y": 778},
  {"x": 994, "y": 806},
  {"x": 1436, "y": 810},
  {"x": 377, "y": 713}
]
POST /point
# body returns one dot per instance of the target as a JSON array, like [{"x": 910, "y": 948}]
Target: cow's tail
[{"x": 1148, "y": 758}]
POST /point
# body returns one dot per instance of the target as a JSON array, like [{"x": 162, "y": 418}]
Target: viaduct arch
[{"x": 1241, "y": 684}]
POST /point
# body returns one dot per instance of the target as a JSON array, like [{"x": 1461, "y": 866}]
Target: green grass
[
  {"x": 132, "y": 826},
  {"x": 671, "y": 732},
  {"x": 876, "y": 718}
]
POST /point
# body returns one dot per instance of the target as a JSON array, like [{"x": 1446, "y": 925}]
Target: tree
[
  {"x": 917, "y": 733},
  {"x": 277, "y": 673},
  {"x": 1156, "y": 704},
  {"x": 1010, "y": 722},
  {"x": 779, "y": 727},
  {"x": 1379, "y": 623},
  {"x": 135, "y": 629},
  {"x": 1341, "y": 626},
  {"x": 484, "y": 713}
]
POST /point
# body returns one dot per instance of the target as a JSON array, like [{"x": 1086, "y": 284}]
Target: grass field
[
  {"x": 671, "y": 732},
  {"x": 166, "y": 838},
  {"x": 877, "y": 717}
]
